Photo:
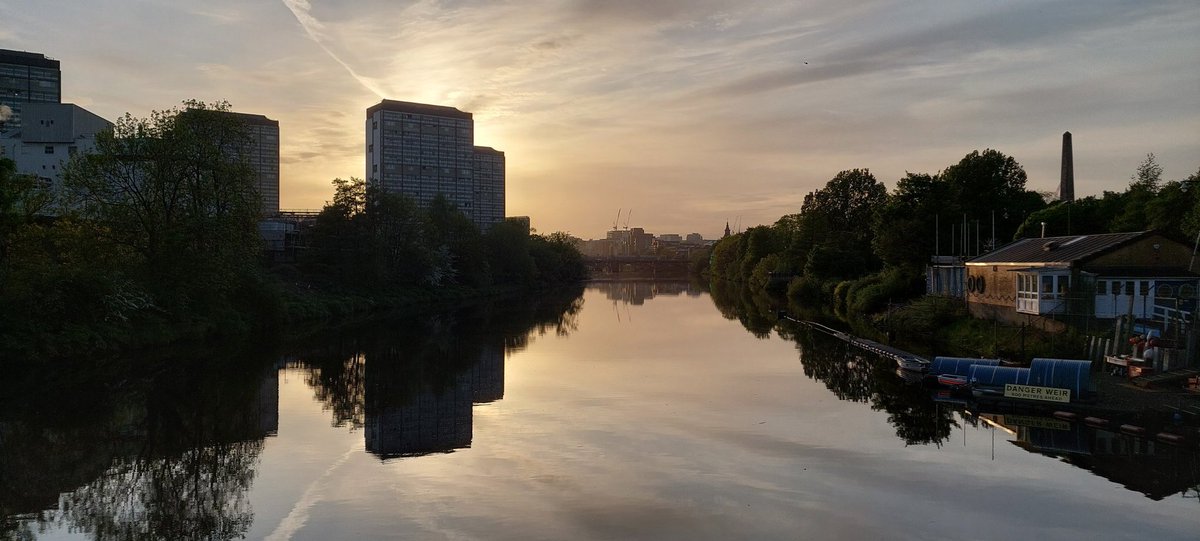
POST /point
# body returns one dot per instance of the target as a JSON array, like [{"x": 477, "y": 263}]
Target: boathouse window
[
  {"x": 1163, "y": 291},
  {"x": 1064, "y": 282},
  {"x": 1129, "y": 287},
  {"x": 1047, "y": 287},
  {"x": 1101, "y": 287},
  {"x": 1116, "y": 287},
  {"x": 1144, "y": 288}
]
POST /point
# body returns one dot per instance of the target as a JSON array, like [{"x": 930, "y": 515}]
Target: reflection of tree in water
[
  {"x": 200, "y": 494},
  {"x": 165, "y": 455},
  {"x": 339, "y": 382},
  {"x": 850, "y": 373},
  {"x": 755, "y": 310}
]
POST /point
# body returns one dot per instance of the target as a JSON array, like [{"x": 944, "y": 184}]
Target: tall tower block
[{"x": 1066, "y": 183}]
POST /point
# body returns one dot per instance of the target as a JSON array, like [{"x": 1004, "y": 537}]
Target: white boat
[{"x": 915, "y": 364}]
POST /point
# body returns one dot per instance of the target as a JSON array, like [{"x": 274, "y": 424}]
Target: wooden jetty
[
  {"x": 1164, "y": 378},
  {"x": 903, "y": 358}
]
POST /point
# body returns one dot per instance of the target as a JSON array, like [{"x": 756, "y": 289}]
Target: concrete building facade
[
  {"x": 262, "y": 155},
  {"x": 422, "y": 151},
  {"x": 51, "y": 134},
  {"x": 489, "y": 187},
  {"x": 26, "y": 78}
]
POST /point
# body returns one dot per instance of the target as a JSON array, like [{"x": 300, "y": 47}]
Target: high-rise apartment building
[
  {"x": 262, "y": 154},
  {"x": 489, "y": 185},
  {"x": 422, "y": 151},
  {"x": 26, "y": 78}
]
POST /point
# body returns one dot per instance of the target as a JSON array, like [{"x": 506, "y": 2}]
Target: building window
[
  {"x": 371, "y": 148},
  {"x": 1129, "y": 287},
  {"x": 1101, "y": 287},
  {"x": 49, "y": 149},
  {"x": 1116, "y": 287},
  {"x": 1144, "y": 288}
]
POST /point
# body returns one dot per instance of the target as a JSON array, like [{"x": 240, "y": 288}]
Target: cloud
[{"x": 316, "y": 31}]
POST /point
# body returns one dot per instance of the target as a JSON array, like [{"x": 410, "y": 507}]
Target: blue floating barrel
[
  {"x": 998, "y": 376},
  {"x": 960, "y": 366},
  {"x": 1070, "y": 374}
]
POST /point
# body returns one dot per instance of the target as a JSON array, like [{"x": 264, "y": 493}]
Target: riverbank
[{"x": 277, "y": 309}]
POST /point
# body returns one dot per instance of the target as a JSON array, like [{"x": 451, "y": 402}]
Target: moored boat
[
  {"x": 915, "y": 364},
  {"x": 953, "y": 381}
]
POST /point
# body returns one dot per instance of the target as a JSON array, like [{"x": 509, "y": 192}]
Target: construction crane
[
  {"x": 627, "y": 215},
  {"x": 618, "y": 220}
]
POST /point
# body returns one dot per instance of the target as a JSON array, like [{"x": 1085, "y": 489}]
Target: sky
[{"x": 689, "y": 113}]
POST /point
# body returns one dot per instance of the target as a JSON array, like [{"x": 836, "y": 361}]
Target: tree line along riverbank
[
  {"x": 153, "y": 238},
  {"x": 858, "y": 252}
]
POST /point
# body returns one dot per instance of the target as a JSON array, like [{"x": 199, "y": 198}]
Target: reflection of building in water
[
  {"x": 268, "y": 403},
  {"x": 1142, "y": 465},
  {"x": 487, "y": 376},
  {"x": 428, "y": 419},
  {"x": 637, "y": 293}
]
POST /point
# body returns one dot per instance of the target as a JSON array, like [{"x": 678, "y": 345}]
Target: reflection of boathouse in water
[
  {"x": 1143, "y": 465},
  {"x": 431, "y": 420}
]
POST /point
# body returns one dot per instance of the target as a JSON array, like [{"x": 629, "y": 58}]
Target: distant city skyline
[{"x": 691, "y": 113}]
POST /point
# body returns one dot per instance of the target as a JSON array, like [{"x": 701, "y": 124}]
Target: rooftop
[
  {"x": 1057, "y": 249},
  {"x": 418, "y": 109},
  {"x": 23, "y": 58}
]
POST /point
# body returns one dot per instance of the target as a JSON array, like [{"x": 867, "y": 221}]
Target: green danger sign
[{"x": 1029, "y": 392}]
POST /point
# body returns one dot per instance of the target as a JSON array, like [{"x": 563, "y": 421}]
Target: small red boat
[{"x": 952, "y": 380}]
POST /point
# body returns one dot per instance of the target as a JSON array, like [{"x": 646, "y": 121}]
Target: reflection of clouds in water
[{"x": 312, "y": 495}]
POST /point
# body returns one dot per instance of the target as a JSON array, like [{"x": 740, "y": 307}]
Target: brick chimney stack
[{"x": 1066, "y": 184}]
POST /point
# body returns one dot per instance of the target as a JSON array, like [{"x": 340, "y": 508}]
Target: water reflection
[
  {"x": 1154, "y": 469},
  {"x": 169, "y": 449},
  {"x": 172, "y": 452},
  {"x": 410, "y": 384},
  {"x": 924, "y": 417}
]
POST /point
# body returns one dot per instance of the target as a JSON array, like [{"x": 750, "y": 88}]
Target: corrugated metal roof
[{"x": 1057, "y": 249}]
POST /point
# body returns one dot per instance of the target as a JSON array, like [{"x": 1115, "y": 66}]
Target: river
[{"x": 629, "y": 411}]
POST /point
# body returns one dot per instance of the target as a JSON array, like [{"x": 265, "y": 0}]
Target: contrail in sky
[{"x": 314, "y": 29}]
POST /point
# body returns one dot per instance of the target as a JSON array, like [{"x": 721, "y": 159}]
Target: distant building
[
  {"x": 26, "y": 78},
  {"x": 422, "y": 151},
  {"x": 670, "y": 237},
  {"x": 51, "y": 134},
  {"x": 694, "y": 238},
  {"x": 634, "y": 241},
  {"x": 489, "y": 186}
]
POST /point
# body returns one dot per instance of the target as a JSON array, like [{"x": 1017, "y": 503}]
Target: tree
[
  {"x": 836, "y": 224},
  {"x": 905, "y": 225},
  {"x": 22, "y": 199},
  {"x": 989, "y": 183},
  {"x": 176, "y": 189},
  {"x": 1144, "y": 185}
]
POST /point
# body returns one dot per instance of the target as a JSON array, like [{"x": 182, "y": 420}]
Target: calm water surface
[{"x": 638, "y": 411}]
